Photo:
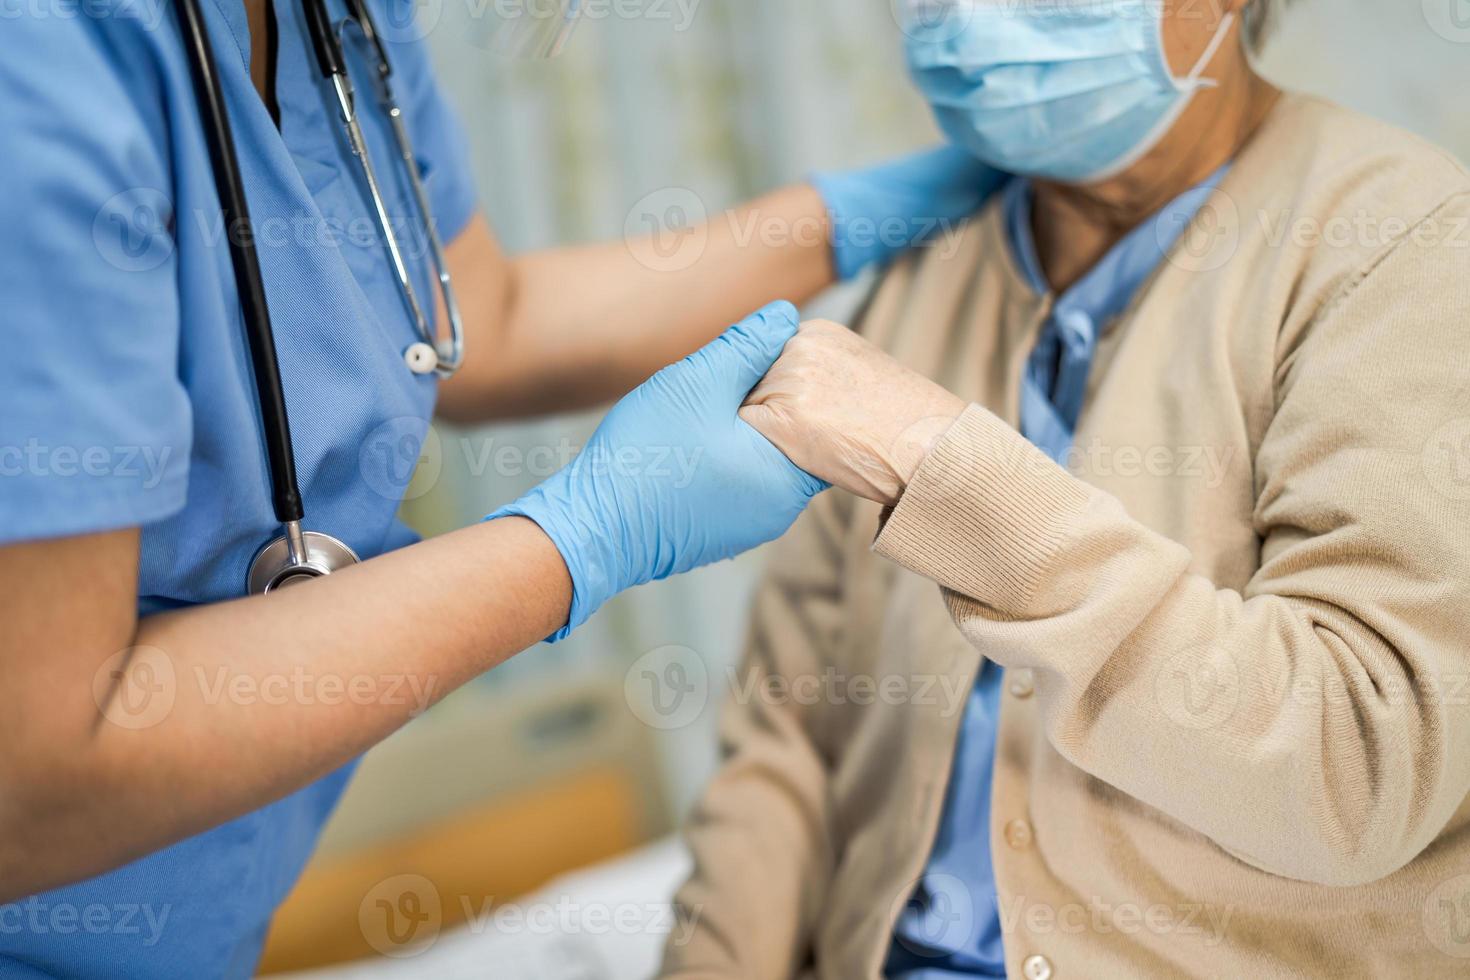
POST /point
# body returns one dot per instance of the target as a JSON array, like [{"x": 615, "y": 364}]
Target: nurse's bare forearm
[
  {"x": 225, "y": 708},
  {"x": 576, "y": 327}
]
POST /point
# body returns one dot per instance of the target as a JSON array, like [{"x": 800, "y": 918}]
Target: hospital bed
[{"x": 607, "y": 922}]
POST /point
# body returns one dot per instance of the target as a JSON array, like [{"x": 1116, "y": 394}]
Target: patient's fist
[{"x": 845, "y": 411}]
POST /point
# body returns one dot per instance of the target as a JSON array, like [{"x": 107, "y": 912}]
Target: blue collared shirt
[
  {"x": 126, "y": 397},
  {"x": 951, "y": 926}
]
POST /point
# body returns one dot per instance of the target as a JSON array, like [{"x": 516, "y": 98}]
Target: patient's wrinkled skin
[{"x": 843, "y": 410}]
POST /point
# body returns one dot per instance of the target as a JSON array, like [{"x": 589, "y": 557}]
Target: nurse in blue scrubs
[{"x": 151, "y": 816}]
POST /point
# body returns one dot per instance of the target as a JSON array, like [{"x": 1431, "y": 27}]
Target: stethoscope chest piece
[{"x": 297, "y": 557}]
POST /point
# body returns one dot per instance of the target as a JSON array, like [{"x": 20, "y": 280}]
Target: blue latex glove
[
  {"x": 673, "y": 479},
  {"x": 880, "y": 212}
]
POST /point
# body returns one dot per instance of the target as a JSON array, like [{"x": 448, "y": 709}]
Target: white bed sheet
[{"x": 606, "y": 922}]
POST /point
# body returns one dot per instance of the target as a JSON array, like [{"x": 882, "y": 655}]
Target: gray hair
[{"x": 1260, "y": 20}]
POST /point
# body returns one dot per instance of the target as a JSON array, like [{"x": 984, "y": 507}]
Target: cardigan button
[
  {"x": 1023, "y": 683},
  {"x": 1037, "y": 968},
  {"x": 1018, "y": 835}
]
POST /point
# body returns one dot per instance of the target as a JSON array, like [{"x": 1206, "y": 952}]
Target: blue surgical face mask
[{"x": 1071, "y": 90}]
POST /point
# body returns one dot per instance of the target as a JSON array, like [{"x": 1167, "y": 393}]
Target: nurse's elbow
[
  {"x": 64, "y": 786},
  {"x": 15, "y": 868},
  {"x": 54, "y": 814},
  {"x": 22, "y": 842}
]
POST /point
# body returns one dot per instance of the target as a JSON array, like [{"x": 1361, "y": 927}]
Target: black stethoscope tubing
[
  {"x": 259, "y": 334},
  {"x": 297, "y": 555}
]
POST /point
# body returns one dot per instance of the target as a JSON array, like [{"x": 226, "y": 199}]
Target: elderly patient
[{"x": 1180, "y": 425}]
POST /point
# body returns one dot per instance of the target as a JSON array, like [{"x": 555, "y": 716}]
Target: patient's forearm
[{"x": 576, "y": 327}]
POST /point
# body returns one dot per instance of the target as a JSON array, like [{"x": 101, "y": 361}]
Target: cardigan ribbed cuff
[{"x": 984, "y": 514}]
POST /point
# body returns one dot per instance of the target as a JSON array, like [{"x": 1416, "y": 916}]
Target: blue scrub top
[{"x": 127, "y": 394}]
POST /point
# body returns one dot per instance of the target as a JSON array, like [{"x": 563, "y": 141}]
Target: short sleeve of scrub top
[
  {"x": 126, "y": 398},
  {"x": 96, "y": 429},
  {"x": 97, "y": 425}
]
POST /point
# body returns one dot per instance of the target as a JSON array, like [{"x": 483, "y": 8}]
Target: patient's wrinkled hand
[{"x": 846, "y": 412}]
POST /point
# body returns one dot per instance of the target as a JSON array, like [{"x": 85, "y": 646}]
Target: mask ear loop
[
  {"x": 1186, "y": 87},
  {"x": 1194, "y": 79}
]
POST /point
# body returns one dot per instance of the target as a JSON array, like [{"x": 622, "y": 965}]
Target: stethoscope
[{"x": 299, "y": 556}]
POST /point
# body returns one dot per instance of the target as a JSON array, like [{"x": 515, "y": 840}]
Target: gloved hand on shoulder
[{"x": 878, "y": 212}]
